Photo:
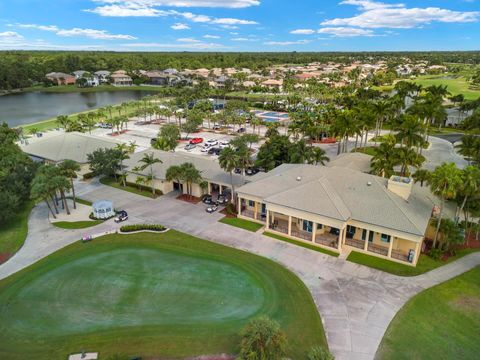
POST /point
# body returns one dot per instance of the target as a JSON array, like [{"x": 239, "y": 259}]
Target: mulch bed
[
  {"x": 116, "y": 133},
  {"x": 189, "y": 199},
  {"x": 4, "y": 257},
  {"x": 225, "y": 212}
]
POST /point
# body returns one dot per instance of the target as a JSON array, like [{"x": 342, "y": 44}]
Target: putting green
[{"x": 149, "y": 294}]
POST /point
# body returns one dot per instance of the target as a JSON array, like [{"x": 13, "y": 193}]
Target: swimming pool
[{"x": 271, "y": 116}]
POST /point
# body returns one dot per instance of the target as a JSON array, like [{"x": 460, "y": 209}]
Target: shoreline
[{"x": 74, "y": 89}]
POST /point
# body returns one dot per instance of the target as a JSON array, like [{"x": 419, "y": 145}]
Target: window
[
  {"x": 351, "y": 229},
  {"x": 319, "y": 226},
  {"x": 307, "y": 225},
  {"x": 364, "y": 234},
  {"x": 264, "y": 209},
  {"x": 370, "y": 236},
  {"x": 385, "y": 238},
  {"x": 251, "y": 203}
]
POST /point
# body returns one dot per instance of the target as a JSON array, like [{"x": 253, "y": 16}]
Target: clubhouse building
[{"x": 339, "y": 208}]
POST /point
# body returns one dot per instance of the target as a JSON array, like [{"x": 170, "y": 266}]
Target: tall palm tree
[
  {"x": 229, "y": 161},
  {"x": 69, "y": 169},
  {"x": 123, "y": 155},
  {"x": 383, "y": 161},
  {"x": 174, "y": 173},
  {"x": 469, "y": 147},
  {"x": 63, "y": 121},
  {"x": 40, "y": 190},
  {"x": 149, "y": 160},
  {"x": 317, "y": 156},
  {"x": 191, "y": 176},
  {"x": 470, "y": 186},
  {"x": 410, "y": 131},
  {"x": 421, "y": 176},
  {"x": 444, "y": 182}
]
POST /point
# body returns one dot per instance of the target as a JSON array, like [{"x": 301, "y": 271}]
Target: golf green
[{"x": 149, "y": 294}]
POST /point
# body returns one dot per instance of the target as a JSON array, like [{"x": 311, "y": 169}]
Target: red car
[{"x": 196, "y": 141}]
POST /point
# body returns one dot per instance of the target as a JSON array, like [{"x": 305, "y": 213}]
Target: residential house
[
  {"x": 60, "y": 78},
  {"x": 340, "y": 209},
  {"x": 273, "y": 84},
  {"x": 103, "y": 76},
  {"x": 120, "y": 78}
]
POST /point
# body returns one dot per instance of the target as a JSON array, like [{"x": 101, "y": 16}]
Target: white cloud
[
  {"x": 78, "y": 32},
  {"x": 9, "y": 36},
  {"x": 139, "y": 8},
  {"x": 188, "y": 40},
  {"x": 179, "y": 45},
  {"x": 302, "y": 32},
  {"x": 235, "y": 4},
  {"x": 180, "y": 26},
  {"x": 211, "y": 36},
  {"x": 346, "y": 31},
  {"x": 241, "y": 39},
  {"x": 94, "y": 34},
  {"x": 381, "y": 15},
  {"x": 286, "y": 43}
]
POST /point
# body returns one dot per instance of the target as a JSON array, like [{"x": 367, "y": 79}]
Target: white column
[
  {"x": 314, "y": 231},
  {"x": 239, "y": 205},
  {"x": 255, "y": 206},
  {"x": 417, "y": 253},
  {"x": 289, "y": 225},
  {"x": 365, "y": 247},
  {"x": 209, "y": 189},
  {"x": 267, "y": 220},
  {"x": 390, "y": 247},
  {"x": 340, "y": 239}
]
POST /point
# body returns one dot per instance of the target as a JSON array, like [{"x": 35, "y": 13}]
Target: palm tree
[
  {"x": 191, "y": 175},
  {"x": 229, "y": 161},
  {"x": 140, "y": 180},
  {"x": 69, "y": 169},
  {"x": 63, "y": 121},
  {"x": 174, "y": 173},
  {"x": 317, "y": 156},
  {"x": 406, "y": 157},
  {"x": 262, "y": 339},
  {"x": 421, "y": 176},
  {"x": 384, "y": 160},
  {"x": 149, "y": 160},
  {"x": 40, "y": 191},
  {"x": 409, "y": 132},
  {"x": 469, "y": 147},
  {"x": 444, "y": 182},
  {"x": 470, "y": 186},
  {"x": 123, "y": 155}
]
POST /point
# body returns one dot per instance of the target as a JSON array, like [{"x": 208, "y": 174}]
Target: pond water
[{"x": 27, "y": 108}]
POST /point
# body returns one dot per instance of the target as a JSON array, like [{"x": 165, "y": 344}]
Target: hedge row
[{"x": 141, "y": 227}]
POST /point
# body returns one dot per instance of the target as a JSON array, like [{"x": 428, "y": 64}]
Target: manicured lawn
[
  {"x": 153, "y": 295},
  {"x": 369, "y": 150},
  {"x": 456, "y": 85},
  {"x": 14, "y": 233},
  {"x": 425, "y": 263},
  {"x": 300, "y": 243},
  {"x": 130, "y": 188},
  {"x": 242, "y": 223},
  {"x": 442, "y": 322},
  {"x": 82, "y": 201},
  {"x": 76, "y": 224}
]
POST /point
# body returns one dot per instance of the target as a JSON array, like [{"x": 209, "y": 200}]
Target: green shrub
[
  {"x": 319, "y": 353},
  {"x": 435, "y": 254},
  {"x": 230, "y": 209},
  {"x": 88, "y": 176},
  {"x": 262, "y": 339},
  {"x": 142, "y": 227}
]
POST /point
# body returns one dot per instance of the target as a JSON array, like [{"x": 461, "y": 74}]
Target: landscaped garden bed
[
  {"x": 76, "y": 224},
  {"x": 143, "y": 227},
  {"x": 132, "y": 188}
]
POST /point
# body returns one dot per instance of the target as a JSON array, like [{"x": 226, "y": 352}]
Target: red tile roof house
[
  {"x": 61, "y": 78},
  {"x": 120, "y": 78}
]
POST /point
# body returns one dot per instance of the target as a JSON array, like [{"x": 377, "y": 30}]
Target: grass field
[
  {"x": 425, "y": 263},
  {"x": 242, "y": 224},
  {"x": 14, "y": 233},
  {"x": 301, "y": 243},
  {"x": 153, "y": 295},
  {"x": 456, "y": 85},
  {"x": 130, "y": 188},
  {"x": 442, "y": 322},
  {"x": 76, "y": 224}
]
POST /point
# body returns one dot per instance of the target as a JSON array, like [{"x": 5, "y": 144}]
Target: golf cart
[
  {"x": 211, "y": 209},
  {"x": 121, "y": 216},
  {"x": 222, "y": 199},
  {"x": 207, "y": 199}
]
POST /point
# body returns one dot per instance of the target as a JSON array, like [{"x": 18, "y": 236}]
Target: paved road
[{"x": 356, "y": 303}]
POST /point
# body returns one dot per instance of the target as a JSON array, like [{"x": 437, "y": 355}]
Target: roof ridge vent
[{"x": 299, "y": 178}]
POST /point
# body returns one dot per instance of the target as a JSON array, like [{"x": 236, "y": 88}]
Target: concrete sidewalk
[{"x": 356, "y": 303}]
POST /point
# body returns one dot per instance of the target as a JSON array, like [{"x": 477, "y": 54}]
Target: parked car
[
  {"x": 211, "y": 142},
  {"x": 251, "y": 171},
  {"x": 104, "y": 125},
  {"x": 212, "y": 209},
  {"x": 121, "y": 216},
  {"x": 217, "y": 127},
  {"x": 196, "y": 141},
  {"x": 214, "y": 151},
  {"x": 237, "y": 171},
  {"x": 241, "y": 130},
  {"x": 190, "y": 147}
]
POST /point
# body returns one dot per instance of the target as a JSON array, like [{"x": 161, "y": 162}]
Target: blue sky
[{"x": 240, "y": 25}]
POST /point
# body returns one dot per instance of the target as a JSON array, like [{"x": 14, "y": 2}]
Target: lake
[{"x": 30, "y": 107}]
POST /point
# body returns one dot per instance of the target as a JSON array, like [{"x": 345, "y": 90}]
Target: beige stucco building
[
  {"x": 340, "y": 208},
  {"x": 216, "y": 179}
]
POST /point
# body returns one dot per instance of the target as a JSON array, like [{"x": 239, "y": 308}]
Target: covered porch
[
  {"x": 305, "y": 230},
  {"x": 382, "y": 244},
  {"x": 252, "y": 209}
]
